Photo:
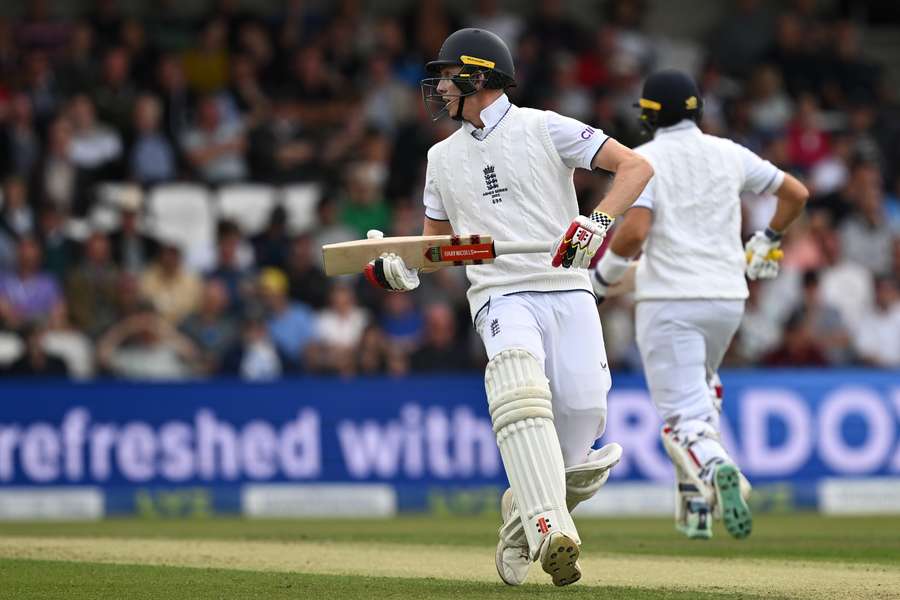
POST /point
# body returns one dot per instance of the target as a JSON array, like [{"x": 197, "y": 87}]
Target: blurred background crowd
[{"x": 113, "y": 121}]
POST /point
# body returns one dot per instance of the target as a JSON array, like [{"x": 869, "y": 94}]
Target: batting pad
[
  {"x": 519, "y": 402},
  {"x": 585, "y": 480}
]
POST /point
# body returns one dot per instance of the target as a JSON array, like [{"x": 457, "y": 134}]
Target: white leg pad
[
  {"x": 585, "y": 480},
  {"x": 683, "y": 442},
  {"x": 582, "y": 483},
  {"x": 519, "y": 402}
]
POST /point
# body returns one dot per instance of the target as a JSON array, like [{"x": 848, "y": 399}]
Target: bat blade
[{"x": 419, "y": 252}]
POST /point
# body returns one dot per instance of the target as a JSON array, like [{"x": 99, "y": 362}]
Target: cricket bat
[{"x": 424, "y": 252}]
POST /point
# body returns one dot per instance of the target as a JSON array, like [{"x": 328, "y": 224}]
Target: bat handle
[{"x": 501, "y": 248}]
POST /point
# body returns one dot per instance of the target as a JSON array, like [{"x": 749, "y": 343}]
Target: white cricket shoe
[
  {"x": 559, "y": 558},
  {"x": 512, "y": 562}
]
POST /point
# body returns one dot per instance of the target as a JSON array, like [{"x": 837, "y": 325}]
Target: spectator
[
  {"x": 146, "y": 346},
  {"x": 798, "y": 347},
  {"x": 16, "y": 217},
  {"x": 133, "y": 39},
  {"x": 214, "y": 148},
  {"x": 211, "y": 327},
  {"x": 742, "y": 36},
  {"x": 256, "y": 357},
  {"x": 281, "y": 149},
  {"x": 877, "y": 339},
  {"x": 78, "y": 67},
  {"x": 233, "y": 265},
  {"x": 770, "y": 108},
  {"x": 832, "y": 172},
  {"x": 35, "y": 362},
  {"x": 807, "y": 141},
  {"x": 28, "y": 294},
  {"x": 171, "y": 289},
  {"x": 826, "y": 326},
  {"x": 271, "y": 246},
  {"x": 488, "y": 14},
  {"x": 94, "y": 145},
  {"x": 58, "y": 250},
  {"x": 366, "y": 208},
  {"x": 308, "y": 283},
  {"x": 292, "y": 325},
  {"x": 41, "y": 86},
  {"x": 329, "y": 228},
  {"x": 388, "y": 102},
  {"x": 866, "y": 237},
  {"x": 132, "y": 250},
  {"x": 340, "y": 328},
  {"x": 245, "y": 100},
  {"x": 114, "y": 95},
  {"x": 441, "y": 349},
  {"x": 177, "y": 99},
  {"x": 402, "y": 321},
  {"x": 151, "y": 158},
  {"x": 20, "y": 145},
  {"x": 91, "y": 287},
  {"x": 206, "y": 65},
  {"x": 57, "y": 179}
]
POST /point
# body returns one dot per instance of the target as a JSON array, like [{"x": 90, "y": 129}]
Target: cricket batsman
[
  {"x": 690, "y": 287},
  {"x": 507, "y": 171}
]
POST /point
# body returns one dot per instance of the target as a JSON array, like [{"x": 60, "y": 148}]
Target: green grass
[
  {"x": 803, "y": 536},
  {"x": 49, "y": 580}
]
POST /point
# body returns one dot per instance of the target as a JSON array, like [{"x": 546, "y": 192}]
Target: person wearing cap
[
  {"x": 292, "y": 325},
  {"x": 507, "y": 172},
  {"x": 690, "y": 286}
]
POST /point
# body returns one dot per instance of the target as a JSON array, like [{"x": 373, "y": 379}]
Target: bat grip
[{"x": 501, "y": 248}]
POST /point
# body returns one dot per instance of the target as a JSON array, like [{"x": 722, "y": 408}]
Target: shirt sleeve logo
[{"x": 587, "y": 132}]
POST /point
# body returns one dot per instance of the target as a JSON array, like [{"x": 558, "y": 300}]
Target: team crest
[{"x": 494, "y": 190}]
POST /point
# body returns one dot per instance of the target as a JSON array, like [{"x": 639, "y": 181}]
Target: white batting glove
[
  {"x": 388, "y": 271},
  {"x": 580, "y": 242},
  {"x": 763, "y": 254}
]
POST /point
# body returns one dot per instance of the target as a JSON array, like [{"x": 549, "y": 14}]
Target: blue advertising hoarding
[{"x": 190, "y": 447}]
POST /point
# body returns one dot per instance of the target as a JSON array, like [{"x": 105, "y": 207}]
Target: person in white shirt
[
  {"x": 877, "y": 339},
  {"x": 507, "y": 172},
  {"x": 690, "y": 287}
]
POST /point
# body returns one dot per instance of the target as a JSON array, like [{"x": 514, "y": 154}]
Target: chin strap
[{"x": 459, "y": 112}]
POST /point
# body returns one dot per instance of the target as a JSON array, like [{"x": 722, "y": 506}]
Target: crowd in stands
[{"x": 327, "y": 93}]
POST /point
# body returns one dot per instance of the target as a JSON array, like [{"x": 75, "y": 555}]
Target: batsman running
[
  {"x": 690, "y": 287},
  {"x": 507, "y": 171}
]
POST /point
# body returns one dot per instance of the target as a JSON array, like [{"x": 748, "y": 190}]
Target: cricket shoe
[
  {"x": 559, "y": 558},
  {"x": 512, "y": 562},
  {"x": 731, "y": 503},
  {"x": 696, "y": 523}
]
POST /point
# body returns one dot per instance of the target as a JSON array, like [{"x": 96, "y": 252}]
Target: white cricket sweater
[
  {"x": 514, "y": 186},
  {"x": 694, "y": 249}
]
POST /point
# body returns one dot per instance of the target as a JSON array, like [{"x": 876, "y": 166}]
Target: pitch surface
[{"x": 797, "y": 556}]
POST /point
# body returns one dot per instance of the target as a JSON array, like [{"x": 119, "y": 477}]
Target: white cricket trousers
[
  {"x": 562, "y": 330},
  {"x": 682, "y": 343}
]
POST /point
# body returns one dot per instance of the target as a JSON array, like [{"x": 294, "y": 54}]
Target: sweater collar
[
  {"x": 490, "y": 116},
  {"x": 683, "y": 125}
]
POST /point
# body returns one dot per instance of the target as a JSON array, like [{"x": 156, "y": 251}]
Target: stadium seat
[
  {"x": 181, "y": 213},
  {"x": 11, "y": 348},
  {"x": 247, "y": 204},
  {"x": 300, "y": 202},
  {"x": 74, "y": 349}
]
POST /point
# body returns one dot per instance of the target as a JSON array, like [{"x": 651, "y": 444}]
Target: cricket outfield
[{"x": 788, "y": 556}]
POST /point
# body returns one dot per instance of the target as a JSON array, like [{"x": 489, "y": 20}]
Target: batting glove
[
  {"x": 763, "y": 254},
  {"x": 388, "y": 271},
  {"x": 580, "y": 242}
]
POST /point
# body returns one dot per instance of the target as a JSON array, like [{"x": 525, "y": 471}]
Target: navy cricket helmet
[
  {"x": 668, "y": 97},
  {"x": 482, "y": 55}
]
